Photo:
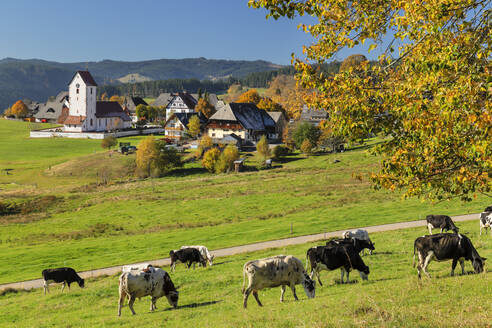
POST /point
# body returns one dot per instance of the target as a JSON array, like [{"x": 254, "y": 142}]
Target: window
[
  {"x": 91, "y": 93},
  {"x": 213, "y": 134},
  {"x": 91, "y": 118},
  {"x": 77, "y": 90}
]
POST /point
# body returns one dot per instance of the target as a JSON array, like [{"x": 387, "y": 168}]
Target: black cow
[
  {"x": 187, "y": 255},
  {"x": 346, "y": 257},
  {"x": 64, "y": 275},
  {"x": 488, "y": 209},
  {"x": 446, "y": 246},
  {"x": 359, "y": 244},
  {"x": 441, "y": 221}
]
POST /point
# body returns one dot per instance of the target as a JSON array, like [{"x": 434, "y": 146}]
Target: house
[
  {"x": 280, "y": 124},
  {"x": 181, "y": 102},
  {"x": 163, "y": 100},
  {"x": 130, "y": 106},
  {"x": 212, "y": 98},
  {"x": 242, "y": 119},
  {"x": 313, "y": 116},
  {"x": 87, "y": 114},
  {"x": 177, "y": 124},
  {"x": 51, "y": 110}
]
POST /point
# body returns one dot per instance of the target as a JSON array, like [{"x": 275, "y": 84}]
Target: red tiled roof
[
  {"x": 77, "y": 120},
  {"x": 63, "y": 116}
]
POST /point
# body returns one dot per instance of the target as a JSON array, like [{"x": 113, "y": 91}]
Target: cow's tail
[
  {"x": 414, "y": 255},
  {"x": 244, "y": 279}
]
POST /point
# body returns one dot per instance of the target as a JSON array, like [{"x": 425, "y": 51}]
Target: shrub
[
  {"x": 306, "y": 147},
  {"x": 226, "y": 159},
  {"x": 280, "y": 151},
  {"x": 108, "y": 142},
  {"x": 306, "y": 131},
  {"x": 210, "y": 159},
  {"x": 155, "y": 159},
  {"x": 263, "y": 148}
]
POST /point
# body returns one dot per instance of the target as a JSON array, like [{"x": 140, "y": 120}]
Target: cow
[
  {"x": 360, "y": 234},
  {"x": 63, "y": 275},
  {"x": 156, "y": 283},
  {"x": 488, "y": 209},
  {"x": 139, "y": 267},
  {"x": 344, "y": 256},
  {"x": 204, "y": 251},
  {"x": 486, "y": 222},
  {"x": 280, "y": 270},
  {"x": 186, "y": 255},
  {"x": 440, "y": 221},
  {"x": 359, "y": 244},
  {"x": 443, "y": 247}
]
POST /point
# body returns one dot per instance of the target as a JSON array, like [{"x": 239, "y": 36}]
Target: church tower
[{"x": 82, "y": 92}]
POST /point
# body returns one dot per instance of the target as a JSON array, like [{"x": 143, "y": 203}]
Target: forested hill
[{"x": 38, "y": 79}]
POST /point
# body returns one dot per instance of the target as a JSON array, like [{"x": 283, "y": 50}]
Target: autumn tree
[
  {"x": 233, "y": 92},
  {"x": 284, "y": 91},
  {"x": 205, "y": 107},
  {"x": 210, "y": 159},
  {"x": 263, "y": 148},
  {"x": 19, "y": 109},
  {"x": 118, "y": 99},
  {"x": 226, "y": 159},
  {"x": 154, "y": 159},
  {"x": 306, "y": 147},
  {"x": 353, "y": 62},
  {"x": 250, "y": 96},
  {"x": 269, "y": 105},
  {"x": 194, "y": 126},
  {"x": 109, "y": 142},
  {"x": 142, "y": 112},
  {"x": 429, "y": 96},
  {"x": 305, "y": 131}
]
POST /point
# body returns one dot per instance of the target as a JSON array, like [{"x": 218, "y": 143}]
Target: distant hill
[{"x": 38, "y": 79}]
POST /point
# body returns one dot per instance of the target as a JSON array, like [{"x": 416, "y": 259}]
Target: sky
[{"x": 129, "y": 30}]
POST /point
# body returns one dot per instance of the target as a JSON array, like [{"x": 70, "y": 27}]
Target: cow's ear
[{"x": 484, "y": 258}]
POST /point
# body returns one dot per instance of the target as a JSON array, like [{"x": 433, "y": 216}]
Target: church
[{"x": 83, "y": 113}]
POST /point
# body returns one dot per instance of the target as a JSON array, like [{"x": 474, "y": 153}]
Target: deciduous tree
[
  {"x": 194, "y": 126},
  {"x": 210, "y": 159},
  {"x": 307, "y": 147},
  {"x": 19, "y": 109},
  {"x": 250, "y": 96},
  {"x": 154, "y": 159},
  {"x": 118, "y": 99},
  {"x": 263, "y": 148},
  {"x": 429, "y": 96},
  {"x": 204, "y": 107},
  {"x": 226, "y": 159},
  {"x": 306, "y": 131},
  {"x": 108, "y": 142}
]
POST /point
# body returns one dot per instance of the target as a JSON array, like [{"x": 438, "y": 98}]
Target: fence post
[{"x": 291, "y": 228}]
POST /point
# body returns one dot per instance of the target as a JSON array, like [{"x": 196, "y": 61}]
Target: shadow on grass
[
  {"x": 186, "y": 172},
  {"x": 220, "y": 263},
  {"x": 193, "y": 305},
  {"x": 284, "y": 160}
]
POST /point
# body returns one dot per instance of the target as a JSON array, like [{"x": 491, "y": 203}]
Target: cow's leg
[
  {"x": 342, "y": 273},
  {"x": 130, "y": 303},
  {"x": 453, "y": 266},
  {"x": 173, "y": 265},
  {"x": 293, "y": 288},
  {"x": 462, "y": 264},
  {"x": 348, "y": 273},
  {"x": 245, "y": 297},
  {"x": 429, "y": 226},
  {"x": 152, "y": 304},
  {"x": 120, "y": 302},
  {"x": 314, "y": 272},
  {"x": 426, "y": 263},
  {"x": 45, "y": 285},
  {"x": 441, "y": 229},
  {"x": 255, "y": 294},
  {"x": 282, "y": 292},
  {"x": 63, "y": 286},
  {"x": 419, "y": 264}
]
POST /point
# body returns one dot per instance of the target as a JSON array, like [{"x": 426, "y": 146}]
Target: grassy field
[
  {"x": 211, "y": 297},
  {"x": 67, "y": 219}
]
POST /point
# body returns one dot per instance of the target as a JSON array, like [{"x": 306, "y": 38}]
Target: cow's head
[
  {"x": 364, "y": 274},
  {"x": 172, "y": 298},
  {"x": 203, "y": 261},
  {"x": 211, "y": 259},
  {"x": 170, "y": 291},
  {"x": 309, "y": 286},
  {"x": 81, "y": 283},
  {"x": 478, "y": 264}
]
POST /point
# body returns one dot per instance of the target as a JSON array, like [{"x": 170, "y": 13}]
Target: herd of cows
[{"x": 282, "y": 271}]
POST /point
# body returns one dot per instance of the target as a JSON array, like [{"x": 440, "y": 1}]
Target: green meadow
[
  {"x": 66, "y": 217},
  {"x": 211, "y": 297}
]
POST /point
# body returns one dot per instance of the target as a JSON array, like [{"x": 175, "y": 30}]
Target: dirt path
[{"x": 38, "y": 283}]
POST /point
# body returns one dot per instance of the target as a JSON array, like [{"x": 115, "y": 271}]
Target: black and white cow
[
  {"x": 443, "y": 222},
  {"x": 187, "y": 255},
  {"x": 488, "y": 209},
  {"x": 280, "y": 270},
  {"x": 61, "y": 275},
  {"x": 486, "y": 222},
  {"x": 359, "y": 244},
  {"x": 443, "y": 247},
  {"x": 346, "y": 257},
  {"x": 360, "y": 234}
]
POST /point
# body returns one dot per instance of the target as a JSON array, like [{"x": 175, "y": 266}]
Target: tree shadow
[
  {"x": 220, "y": 263},
  {"x": 186, "y": 172},
  {"x": 284, "y": 160},
  {"x": 193, "y": 305}
]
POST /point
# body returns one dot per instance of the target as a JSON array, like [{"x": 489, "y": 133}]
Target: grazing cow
[
  {"x": 446, "y": 246},
  {"x": 488, "y": 209},
  {"x": 360, "y": 234},
  {"x": 344, "y": 256},
  {"x": 155, "y": 283},
  {"x": 64, "y": 275},
  {"x": 486, "y": 222},
  {"x": 440, "y": 221},
  {"x": 204, "y": 251},
  {"x": 138, "y": 267},
  {"x": 280, "y": 270},
  {"x": 186, "y": 255},
  {"x": 359, "y": 244}
]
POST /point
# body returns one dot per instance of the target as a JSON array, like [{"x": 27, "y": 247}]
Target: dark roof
[
  {"x": 247, "y": 114},
  {"x": 132, "y": 102},
  {"x": 184, "y": 118},
  {"x": 212, "y": 98},
  {"x": 52, "y": 109},
  {"x": 111, "y": 109},
  {"x": 86, "y": 77},
  {"x": 188, "y": 99}
]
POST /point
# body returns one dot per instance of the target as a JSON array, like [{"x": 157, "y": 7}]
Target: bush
[
  {"x": 280, "y": 151},
  {"x": 306, "y": 131},
  {"x": 226, "y": 159},
  {"x": 306, "y": 147},
  {"x": 210, "y": 159},
  {"x": 155, "y": 159},
  {"x": 109, "y": 142},
  {"x": 263, "y": 148}
]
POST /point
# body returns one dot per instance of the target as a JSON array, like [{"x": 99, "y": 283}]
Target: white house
[
  {"x": 85, "y": 113},
  {"x": 181, "y": 102}
]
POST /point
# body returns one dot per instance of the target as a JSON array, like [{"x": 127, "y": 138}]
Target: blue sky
[{"x": 93, "y": 30}]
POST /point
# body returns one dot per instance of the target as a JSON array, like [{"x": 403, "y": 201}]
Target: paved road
[{"x": 38, "y": 283}]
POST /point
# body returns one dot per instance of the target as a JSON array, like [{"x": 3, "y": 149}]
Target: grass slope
[{"x": 211, "y": 297}]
